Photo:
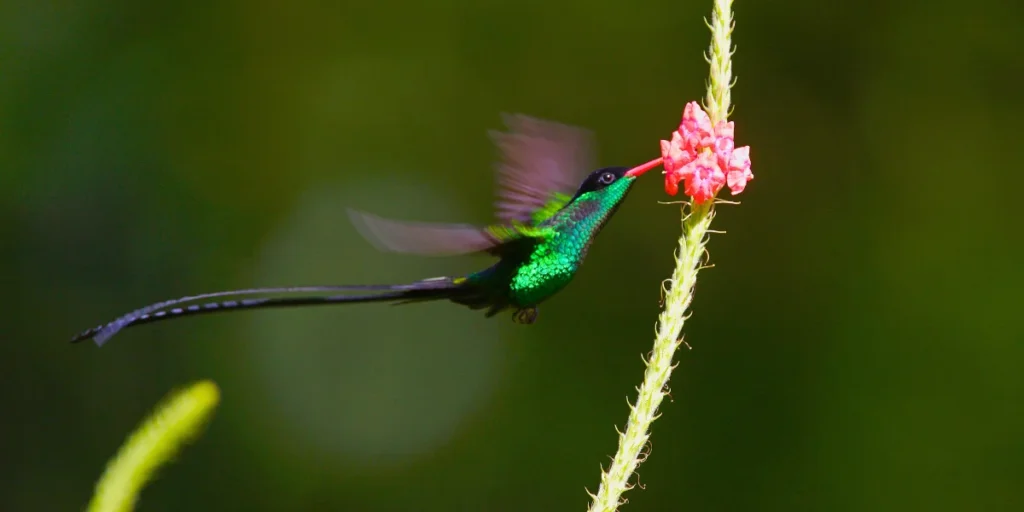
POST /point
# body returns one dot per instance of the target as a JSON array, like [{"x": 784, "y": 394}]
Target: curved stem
[
  {"x": 679, "y": 293},
  {"x": 615, "y": 481},
  {"x": 175, "y": 421}
]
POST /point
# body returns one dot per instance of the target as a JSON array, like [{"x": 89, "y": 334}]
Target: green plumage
[
  {"x": 540, "y": 259},
  {"x": 553, "y": 262},
  {"x": 541, "y": 238}
]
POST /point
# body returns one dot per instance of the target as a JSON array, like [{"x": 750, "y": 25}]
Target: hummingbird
[{"x": 550, "y": 206}]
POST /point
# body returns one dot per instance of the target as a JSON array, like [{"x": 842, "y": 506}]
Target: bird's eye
[{"x": 606, "y": 178}]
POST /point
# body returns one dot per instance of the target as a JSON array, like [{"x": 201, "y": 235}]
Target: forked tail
[{"x": 254, "y": 298}]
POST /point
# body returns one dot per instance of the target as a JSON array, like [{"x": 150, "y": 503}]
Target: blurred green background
[{"x": 856, "y": 347}]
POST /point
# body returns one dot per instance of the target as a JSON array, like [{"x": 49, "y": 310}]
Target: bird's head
[{"x": 611, "y": 182}]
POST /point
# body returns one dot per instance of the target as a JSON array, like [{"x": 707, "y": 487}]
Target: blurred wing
[
  {"x": 543, "y": 163},
  {"x": 424, "y": 238}
]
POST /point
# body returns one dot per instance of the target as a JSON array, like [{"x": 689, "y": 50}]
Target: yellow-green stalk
[
  {"x": 176, "y": 421},
  {"x": 696, "y": 224}
]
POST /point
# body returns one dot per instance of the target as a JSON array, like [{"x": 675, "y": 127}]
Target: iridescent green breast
[
  {"x": 553, "y": 262},
  {"x": 549, "y": 269}
]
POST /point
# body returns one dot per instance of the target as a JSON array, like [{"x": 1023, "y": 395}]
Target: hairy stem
[
  {"x": 679, "y": 293},
  {"x": 719, "y": 57}
]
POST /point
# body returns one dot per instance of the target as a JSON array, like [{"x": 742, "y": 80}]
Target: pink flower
[
  {"x": 703, "y": 176},
  {"x": 739, "y": 170},
  {"x": 705, "y": 157},
  {"x": 696, "y": 126}
]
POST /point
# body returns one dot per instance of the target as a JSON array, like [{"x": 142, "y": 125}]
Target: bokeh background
[{"x": 858, "y": 345}]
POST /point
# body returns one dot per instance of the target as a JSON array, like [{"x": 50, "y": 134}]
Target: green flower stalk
[
  {"x": 176, "y": 421},
  {"x": 702, "y": 154}
]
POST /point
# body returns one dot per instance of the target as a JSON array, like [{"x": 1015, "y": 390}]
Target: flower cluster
[{"x": 704, "y": 156}]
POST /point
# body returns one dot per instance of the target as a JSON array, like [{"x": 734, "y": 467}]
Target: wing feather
[
  {"x": 422, "y": 237},
  {"x": 541, "y": 160},
  {"x": 542, "y": 164}
]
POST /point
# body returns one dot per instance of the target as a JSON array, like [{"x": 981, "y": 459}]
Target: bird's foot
[{"x": 525, "y": 315}]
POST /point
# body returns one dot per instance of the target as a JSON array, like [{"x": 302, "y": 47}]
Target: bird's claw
[{"x": 525, "y": 316}]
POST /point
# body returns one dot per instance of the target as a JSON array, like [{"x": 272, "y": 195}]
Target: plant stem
[
  {"x": 679, "y": 292},
  {"x": 175, "y": 421},
  {"x": 615, "y": 481},
  {"x": 719, "y": 59}
]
